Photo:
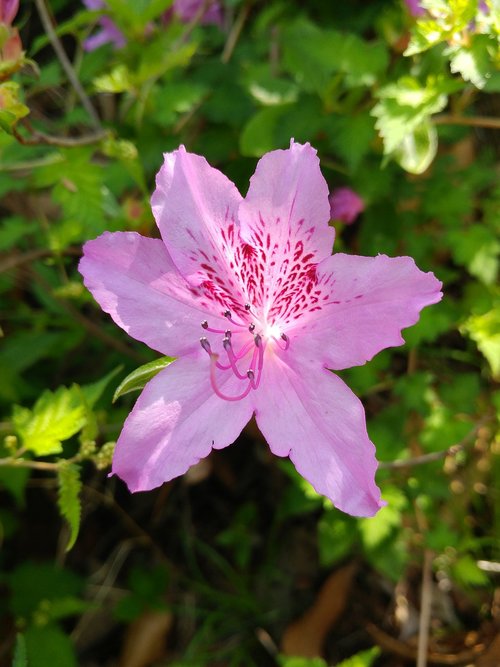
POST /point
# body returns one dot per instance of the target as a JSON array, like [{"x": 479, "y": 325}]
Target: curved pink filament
[
  {"x": 213, "y": 382},
  {"x": 242, "y": 353}
]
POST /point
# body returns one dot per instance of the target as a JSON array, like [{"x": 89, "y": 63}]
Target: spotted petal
[
  {"x": 311, "y": 416},
  {"x": 370, "y": 300},
  {"x": 176, "y": 421},
  {"x": 195, "y": 207},
  {"x": 134, "y": 280}
]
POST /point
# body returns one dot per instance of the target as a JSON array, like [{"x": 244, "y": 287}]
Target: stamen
[
  {"x": 250, "y": 374},
  {"x": 204, "y": 324},
  {"x": 213, "y": 382},
  {"x": 227, "y": 313},
  {"x": 205, "y": 344},
  {"x": 257, "y": 339},
  {"x": 247, "y": 306},
  {"x": 285, "y": 338},
  {"x": 251, "y": 328}
]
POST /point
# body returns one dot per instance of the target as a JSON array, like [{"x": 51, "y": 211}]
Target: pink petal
[
  {"x": 176, "y": 421},
  {"x": 371, "y": 299},
  {"x": 134, "y": 280},
  {"x": 310, "y": 415},
  {"x": 288, "y": 201},
  {"x": 195, "y": 207}
]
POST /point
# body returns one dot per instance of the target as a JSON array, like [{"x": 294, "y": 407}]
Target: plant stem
[
  {"x": 474, "y": 121},
  {"x": 66, "y": 64}
]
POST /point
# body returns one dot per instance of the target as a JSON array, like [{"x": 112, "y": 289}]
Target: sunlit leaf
[
  {"x": 141, "y": 376},
  {"x": 69, "y": 503}
]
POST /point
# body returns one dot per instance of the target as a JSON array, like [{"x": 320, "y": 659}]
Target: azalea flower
[
  {"x": 345, "y": 205},
  {"x": 246, "y": 294}
]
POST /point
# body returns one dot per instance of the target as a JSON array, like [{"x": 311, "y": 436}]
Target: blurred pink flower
[
  {"x": 414, "y": 8},
  {"x": 8, "y": 11},
  {"x": 186, "y": 10},
  {"x": 275, "y": 310},
  {"x": 109, "y": 33},
  {"x": 345, "y": 205}
]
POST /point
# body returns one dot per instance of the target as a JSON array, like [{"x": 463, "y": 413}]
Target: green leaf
[
  {"x": 363, "y": 659},
  {"x": 48, "y": 645},
  {"x": 376, "y": 530},
  {"x": 466, "y": 572},
  {"x": 418, "y": 148},
  {"x": 20, "y": 658},
  {"x": 32, "y": 584},
  {"x": 55, "y": 417},
  {"x": 295, "y": 661},
  {"x": 69, "y": 503},
  {"x": 485, "y": 331},
  {"x": 93, "y": 392},
  {"x": 405, "y": 105},
  {"x": 476, "y": 61},
  {"x": 141, "y": 376},
  {"x": 117, "y": 81}
]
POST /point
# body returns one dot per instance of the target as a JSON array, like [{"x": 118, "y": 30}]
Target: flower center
[{"x": 243, "y": 345}]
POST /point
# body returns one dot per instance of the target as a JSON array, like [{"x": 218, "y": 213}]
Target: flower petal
[
  {"x": 195, "y": 207},
  {"x": 134, "y": 280},
  {"x": 315, "y": 419},
  {"x": 288, "y": 202},
  {"x": 371, "y": 299},
  {"x": 176, "y": 421}
]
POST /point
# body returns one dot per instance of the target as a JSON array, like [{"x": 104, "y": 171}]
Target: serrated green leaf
[
  {"x": 20, "y": 657},
  {"x": 69, "y": 503},
  {"x": 141, "y": 376},
  {"x": 475, "y": 62},
  {"x": 404, "y": 106},
  {"x": 55, "y": 417}
]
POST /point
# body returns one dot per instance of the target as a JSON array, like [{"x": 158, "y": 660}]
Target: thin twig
[
  {"x": 474, "y": 121},
  {"x": 200, "y": 13},
  {"x": 425, "y": 610},
  {"x": 38, "y": 138},
  {"x": 235, "y": 33},
  {"x": 12, "y": 261},
  {"x": 66, "y": 64},
  {"x": 435, "y": 456},
  {"x": 13, "y": 462},
  {"x": 92, "y": 328}
]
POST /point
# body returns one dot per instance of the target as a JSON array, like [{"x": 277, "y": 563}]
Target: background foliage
[{"x": 216, "y": 568}]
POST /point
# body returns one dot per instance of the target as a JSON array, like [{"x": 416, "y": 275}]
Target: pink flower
[
  {"x": 255, "y": 278},
  {"x": 345, "y": 205},
  {"x": 187, "y": 10},
  {"x": 8, "y": 11},
  {"x": 110, "y": 33},
  {"x": 414, "y": 8}
]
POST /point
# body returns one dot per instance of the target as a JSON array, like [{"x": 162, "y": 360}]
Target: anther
[
  {"x": 227, "y": 313},
  {"x": 227, "y": 333},
  {"x": 251, "y": 328},
  {"x": 226, "y": 343},
  {"x": 284, "y": 337},
  {"x": 257, "y": 340},
  {"x": 204, "y": 324},
  {"x": 247, "y": 306},
  {"x": 205, "y": 344},
  {"x": 250, "y": 374}
]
